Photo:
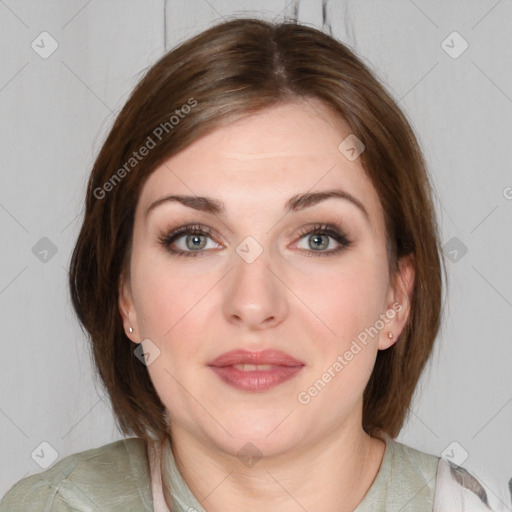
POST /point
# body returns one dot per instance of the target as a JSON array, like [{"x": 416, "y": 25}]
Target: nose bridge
[{"x": 255, "y": 295}]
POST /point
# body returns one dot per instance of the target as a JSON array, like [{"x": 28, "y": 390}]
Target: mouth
[
  {"x": 253, "y": 367},
  {"x": 255, "y": 371}
]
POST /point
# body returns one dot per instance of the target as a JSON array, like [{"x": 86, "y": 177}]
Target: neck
[{"x": 331, "y": 474}]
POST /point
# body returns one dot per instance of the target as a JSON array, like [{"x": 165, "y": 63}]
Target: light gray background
[{"x": 55, "y": 113}]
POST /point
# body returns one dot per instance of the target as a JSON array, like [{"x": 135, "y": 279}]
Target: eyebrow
[{"x": 295, "y": 203}]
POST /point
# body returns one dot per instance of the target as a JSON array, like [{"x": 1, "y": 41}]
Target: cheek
[
  {"x": 171, "y": 307},
  {"x": 161, "y": 296},
  {"x": 347, "y": 299}
]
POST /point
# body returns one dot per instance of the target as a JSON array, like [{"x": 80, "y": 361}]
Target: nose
[{"x": 256, "y": 297}]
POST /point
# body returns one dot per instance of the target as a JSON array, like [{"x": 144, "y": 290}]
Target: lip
[
  {"x": 275, "y": 357},
  {"x": 284, "y": 367}
]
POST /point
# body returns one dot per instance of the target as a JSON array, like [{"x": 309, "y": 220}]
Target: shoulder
[
  {"x": 412, "y": 467},
  {"x": 441, "y": 485},
  {"x": 405, "y": 480},
  {"x": 111, "y": 477}
]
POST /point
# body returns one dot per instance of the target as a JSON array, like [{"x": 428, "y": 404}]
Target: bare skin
[{"x": 315, "y": 456}]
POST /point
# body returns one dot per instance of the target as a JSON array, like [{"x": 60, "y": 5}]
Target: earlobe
[
  {"x": 126, "y": 309},
  {"x": 399, "y": 302}
]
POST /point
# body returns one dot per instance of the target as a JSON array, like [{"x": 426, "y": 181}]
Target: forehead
[{"x": 271, "y": 155}]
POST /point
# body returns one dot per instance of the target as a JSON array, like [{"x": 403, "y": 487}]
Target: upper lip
[{"x": 274, "y": 357}]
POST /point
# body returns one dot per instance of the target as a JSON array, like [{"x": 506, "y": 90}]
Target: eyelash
[{"x": 197, "y": 229}]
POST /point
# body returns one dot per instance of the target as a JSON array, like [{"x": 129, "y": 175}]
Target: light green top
[{"x": 116, "y": 478}]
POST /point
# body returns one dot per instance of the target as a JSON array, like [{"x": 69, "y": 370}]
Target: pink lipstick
[{"x": 255, "y": 371}]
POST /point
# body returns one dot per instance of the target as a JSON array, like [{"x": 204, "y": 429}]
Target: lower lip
[{"x": 257, "y": 380}]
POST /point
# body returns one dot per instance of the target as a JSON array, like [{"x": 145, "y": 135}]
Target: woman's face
[{"x": 262, "y": 276}]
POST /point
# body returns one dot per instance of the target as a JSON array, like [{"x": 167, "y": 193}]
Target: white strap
[
  {"x": 457, "y": 490},
  {"x": 159, "y": 504}
]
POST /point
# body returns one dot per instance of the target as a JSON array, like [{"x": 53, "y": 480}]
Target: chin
[{"x": 265, "y": 430}]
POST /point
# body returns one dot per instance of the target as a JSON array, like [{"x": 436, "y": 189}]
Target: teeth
[{"x": 253, "y": 367}]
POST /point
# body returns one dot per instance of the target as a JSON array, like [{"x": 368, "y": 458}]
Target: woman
[{"x": 259, "y": 273}]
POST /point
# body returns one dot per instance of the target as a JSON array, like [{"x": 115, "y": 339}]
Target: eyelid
[
  {"x": 170, "y": 235},
  {"x": 332, "y": 230}
]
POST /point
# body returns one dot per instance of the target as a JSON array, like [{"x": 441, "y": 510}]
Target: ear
[
  {"x": 398, "y": 301},
  {"x": 127, "y": 309}
]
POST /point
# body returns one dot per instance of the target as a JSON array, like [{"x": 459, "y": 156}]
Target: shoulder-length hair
[{"x": 229, "y": 71}]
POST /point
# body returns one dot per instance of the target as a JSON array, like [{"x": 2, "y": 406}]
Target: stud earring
[
  {"x": 390, "y": 335},
  {"x": 130, "y": 329}
]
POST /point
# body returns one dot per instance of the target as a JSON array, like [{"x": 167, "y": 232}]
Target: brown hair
[{"x": 228, "y": 71}]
